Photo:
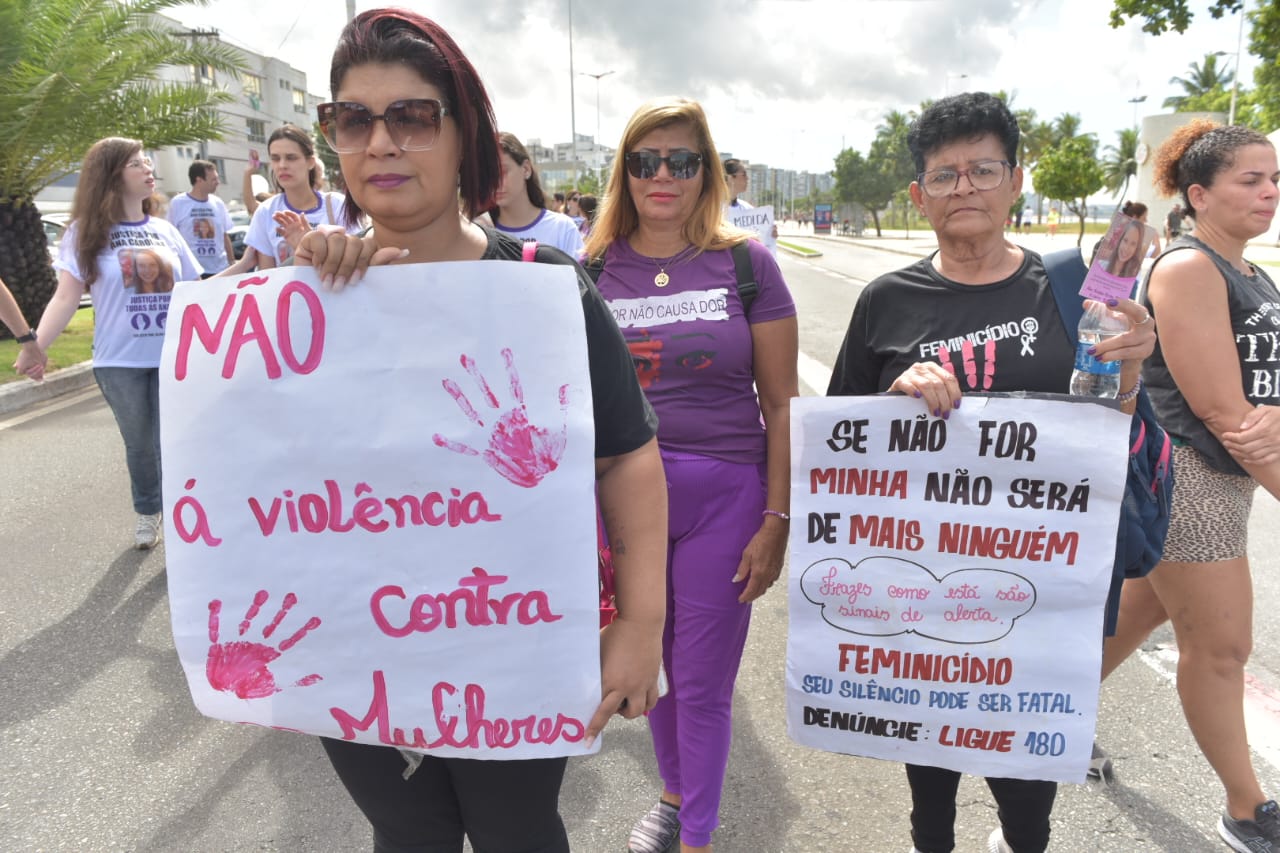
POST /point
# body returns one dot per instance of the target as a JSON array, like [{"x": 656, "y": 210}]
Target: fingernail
[
  {"x": 737, "y": 579},
  {"x": 340, "y": 282},
  {"x": 956, "y": 404},
  {"x": 588, "y": 740},
  {"x": 327, "y": 282},
  {"x": 936, "y": 413},
  {"x": 916, "y": 394},
  {"x": 1092, "y": 350},
  {"x": 1112, "y": 303},
  {"x": 946, "y": 415},
  {"x": 404, "y": 253}
]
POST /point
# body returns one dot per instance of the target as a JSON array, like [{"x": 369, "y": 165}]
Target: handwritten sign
[
  {"x": 758, "y": 220},
  {"x": 948, "y": 579},
  {"x": 379, "y": 506}
]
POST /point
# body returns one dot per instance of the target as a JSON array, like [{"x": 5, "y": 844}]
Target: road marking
[
  {"x": 814, "y": 373},
  {"x": 56, "y": 405}
]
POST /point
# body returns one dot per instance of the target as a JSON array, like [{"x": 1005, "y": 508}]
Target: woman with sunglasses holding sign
[
  {"x": 671, "y": 276},
  {"x": 414, "y": 132}
]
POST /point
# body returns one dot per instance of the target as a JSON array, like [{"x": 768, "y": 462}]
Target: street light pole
[
  {"x": 597, "y": 79},
  {"x": 1137, "y": 99},
  {"x": 573, "y": 115},
  {"x": 1235, "y": 74}
]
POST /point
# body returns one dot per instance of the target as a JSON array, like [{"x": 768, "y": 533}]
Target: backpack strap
[
  {"x": 747, "y": 287},
  {"x": 1066, "y": 271},
  {"x": 594, "y": 267}
]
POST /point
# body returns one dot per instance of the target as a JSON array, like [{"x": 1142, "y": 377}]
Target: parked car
[
  {"x": 55, "y": 225},
  {"x": 238, "y": 231}
]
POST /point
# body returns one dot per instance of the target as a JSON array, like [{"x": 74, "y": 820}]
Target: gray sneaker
[
  {"x": 996, "y": 842},
  {"x": 147, "y": 532},
  {"x": 1260, "y": 835},
  {"x": 657, "y": 831}
]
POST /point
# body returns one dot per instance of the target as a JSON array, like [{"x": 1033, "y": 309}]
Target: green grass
[
  {"x": 802, "y": 250},
  {"x": 73, "y": 346}
]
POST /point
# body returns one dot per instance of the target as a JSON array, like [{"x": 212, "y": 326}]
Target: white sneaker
[
  {"x": 996, "y": 842},
  {"x": 147, "y": 532}
]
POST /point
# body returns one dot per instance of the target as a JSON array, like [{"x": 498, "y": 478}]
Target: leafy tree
[
  {"x": 889, "y": 153},
  {"x": 1203, "y": 79},
  {"x": 860, "y": 181},
  {"x": 1070, "y": 173},
  {"x": 1163, "y": 15},
  {"x": 72, "y": 72},
  {"x": 1121, "y": 163}
]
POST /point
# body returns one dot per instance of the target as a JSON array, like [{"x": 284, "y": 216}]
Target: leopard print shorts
[{"x": 1210, "y": 518}]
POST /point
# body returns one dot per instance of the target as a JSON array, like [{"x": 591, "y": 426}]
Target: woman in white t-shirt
[
  {"x": 298, "y": 205},
  {"x": 130, "y": 260},
  {"x": 520, "y": 206}
]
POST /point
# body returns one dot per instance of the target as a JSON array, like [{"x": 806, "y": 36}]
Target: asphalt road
[{"x": 102, "y": 749}]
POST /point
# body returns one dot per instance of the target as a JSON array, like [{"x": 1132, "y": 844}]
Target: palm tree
[
  {"x": 1202, "y": 79},
  {"x": 72, "y": 72},
  {"x": 1120, "y": 165}
]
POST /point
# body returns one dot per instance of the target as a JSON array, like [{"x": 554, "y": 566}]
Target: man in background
[{"x": 202, "y": 219}]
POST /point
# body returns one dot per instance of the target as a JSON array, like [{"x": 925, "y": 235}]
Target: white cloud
[{"x": 785, "y": 82}]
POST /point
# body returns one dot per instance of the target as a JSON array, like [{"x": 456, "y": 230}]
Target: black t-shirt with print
[
  {"x": 623, "y": 417},
  {"x": 1005, "y": 336}
]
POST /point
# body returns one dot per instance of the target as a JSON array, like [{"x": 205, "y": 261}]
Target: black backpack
[
  {"x": 1148, "y": 493},
  {"x": 747, "y": 286}
]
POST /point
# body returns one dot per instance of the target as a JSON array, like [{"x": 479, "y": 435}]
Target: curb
[
  {"x": 811, "y": 253},
  {"x": 15, "y": 396}
]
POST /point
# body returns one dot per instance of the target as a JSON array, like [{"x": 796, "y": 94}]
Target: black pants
[
  {"x": 501, "y": 806},
  {"x": 1023, "y": 807}
]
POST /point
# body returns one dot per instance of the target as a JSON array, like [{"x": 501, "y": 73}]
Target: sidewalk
[{"x": 1263, "y": 250}]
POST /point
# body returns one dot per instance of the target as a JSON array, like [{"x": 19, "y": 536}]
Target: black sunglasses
[
  {"x": 413, "y": 124},
  {"x": 682, "y": 165}
]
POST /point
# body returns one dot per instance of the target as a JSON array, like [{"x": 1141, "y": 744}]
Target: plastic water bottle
[{"x": 1093, "y": 378}]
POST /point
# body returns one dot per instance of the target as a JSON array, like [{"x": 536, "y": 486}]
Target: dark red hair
[{"x": 402, "y": 37}]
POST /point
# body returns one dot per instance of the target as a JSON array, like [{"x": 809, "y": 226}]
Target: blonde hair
[{"x": 706, "y": 227}]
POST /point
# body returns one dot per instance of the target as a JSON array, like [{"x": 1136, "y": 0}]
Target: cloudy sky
[{"x": 784, "y": 82}]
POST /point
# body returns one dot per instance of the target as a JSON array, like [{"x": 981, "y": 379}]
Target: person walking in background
[
  {"x": 298, "y": 205},
  {"x": 519, "y": 209},
  {"x": 735, "y": 175},
  {"x": 965, "y": 149},
  {"x": 11, "y": 315},
  {"x": 202, "y": 218},
  {"x": 111, "y": 241},
  {"x": 439, "y": 140},
  {"x": 1052, "y": 221},
  {"x": 588, "y": 205},
  {"x": 661, "y": 239},
  {"x": 1212, "y": 384}
]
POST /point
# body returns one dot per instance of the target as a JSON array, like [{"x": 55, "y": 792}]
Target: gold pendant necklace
[{"x": 662, "y": 279}]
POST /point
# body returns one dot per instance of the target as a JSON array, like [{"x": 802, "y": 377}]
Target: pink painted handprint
[
  {"x": 242, "y": 666},
  {"x": 518, "y": 450}
]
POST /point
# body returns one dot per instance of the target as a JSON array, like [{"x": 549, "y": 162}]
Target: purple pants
[{"x": 715, "y": 509}]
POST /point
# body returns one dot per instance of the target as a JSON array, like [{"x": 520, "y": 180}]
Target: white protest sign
[
  {"x": 758, "y": 220},
  {"x": 380, "y": 506},
  {"x": 948, "y": 579}
]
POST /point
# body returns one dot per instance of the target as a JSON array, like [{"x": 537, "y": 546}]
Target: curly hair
[
  {"x": 1197, "y": 153},
  {"x": 961, "y": 118}
]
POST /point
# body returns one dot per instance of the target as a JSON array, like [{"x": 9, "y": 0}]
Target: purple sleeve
[{"x": 773, "y": 301}]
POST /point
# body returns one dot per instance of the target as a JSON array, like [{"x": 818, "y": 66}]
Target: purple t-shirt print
[{"x": 692, "y": 345}]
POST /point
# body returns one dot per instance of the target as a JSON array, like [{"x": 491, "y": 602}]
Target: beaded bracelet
[
  {"x": 1131, "y": 394},
  {"x": 776, "y": 514}
]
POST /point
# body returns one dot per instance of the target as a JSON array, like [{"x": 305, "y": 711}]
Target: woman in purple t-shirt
[{"x": 670, "y": 280}]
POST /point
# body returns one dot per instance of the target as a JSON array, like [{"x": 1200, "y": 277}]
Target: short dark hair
[
  {"x": 963, "y": 117},
  {"x": 401, "y": 37},
  {"x": 732, "y": 166},
  {"x": 199, "y": 169}
]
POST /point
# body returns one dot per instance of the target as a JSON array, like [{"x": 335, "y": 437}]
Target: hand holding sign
[
  {"x": 518, "y": 450},
  {"x": 240, "y": 666}
]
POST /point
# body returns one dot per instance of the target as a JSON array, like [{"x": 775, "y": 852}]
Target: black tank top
[{"x": 1254, "y": 304}]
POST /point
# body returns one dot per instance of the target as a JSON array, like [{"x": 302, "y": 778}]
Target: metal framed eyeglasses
[{"x": 983, "y": 176}]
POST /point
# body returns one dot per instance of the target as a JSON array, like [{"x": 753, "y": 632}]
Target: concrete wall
[{"x": 1155, "y": 130}]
